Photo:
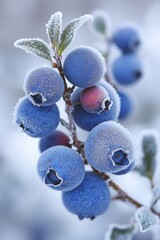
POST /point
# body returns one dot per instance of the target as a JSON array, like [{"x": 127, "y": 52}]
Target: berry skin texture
[
  {"x": 126, "y": 105},
  {"x": 90, "y": 199},
  {"x": 61, "y": 168},
  {"x": 127, "y": 69},
  {"x": 55, "y": 138},
  {"x": 87, "y": 121},
  {"x": 95, "y": 99},
  {"x": 127, "y": 38},
  {"x": 109, "y": 147},
  {"x": 84, "y": 66},
  {"x": 36, "y": 121},
  {"x": 43, "y": 86}
]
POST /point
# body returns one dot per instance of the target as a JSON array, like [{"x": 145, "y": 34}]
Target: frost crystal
[
  {"x": 34, "y": 46},
  {"x": 145, "y": 219},
  {"x": 70, "y": 31},
  {"x": 120, "y": 232},
  {"x": 54, "y": 28}
]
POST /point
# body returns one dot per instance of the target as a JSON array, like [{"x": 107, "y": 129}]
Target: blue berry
[
  {"x": 61, "y": 168},
  {"x": 90, "y": 199},
  {"x": 55, "y": 138},
  {"x": 126, "y": 105},
  {"x": 127, "y": 38},
  {"x": 84, "y": 66},
  {"x": 86, "y": 120},
  {"x": 43, "y": 86},
  {"x": 127, "y": 69},
  {"x": 109, "y": 147},
  {"x": 36, "y": 121},
  {"x": 95, "y": 99}
]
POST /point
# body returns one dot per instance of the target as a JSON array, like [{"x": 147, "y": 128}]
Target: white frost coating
[
  {"x": 34, "y": 46},
  {"x": 104, "y": 139},
  {"x": 120, "y": 232},
  {"x": 54, "y": 28},
  {"x": 70, "y": 30},
  {"x": 145, "y": 218}
]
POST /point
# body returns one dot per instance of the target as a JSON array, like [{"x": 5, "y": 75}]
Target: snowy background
[{"x": 28, "y": 209}]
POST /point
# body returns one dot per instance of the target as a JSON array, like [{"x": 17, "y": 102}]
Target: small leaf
[
  {"x": 149, "y": 149},
  {"x": 34, "y": 46},
  {"x": 101, "y": 23},
  {"x": 120, "y": 232},
  {"x": 54, "y": 28},
  {"x": 145, "y": 218},
  {"x": 70, "y": 31}
]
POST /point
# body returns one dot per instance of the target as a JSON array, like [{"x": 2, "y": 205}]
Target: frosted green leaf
[
  {"x": 70, "y": 31},
  {"x": 54, "y": 28},
  {"x": 34, "y": 46},
  {"x": 149, "y": 150},
  {"x": 145, "y": 218},
  {"x": 120, "y": 232}
]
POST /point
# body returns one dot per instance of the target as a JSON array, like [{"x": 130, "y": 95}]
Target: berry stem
[
  {"x": 68, "y": 105},
  {"x": 123, "y": 195}
]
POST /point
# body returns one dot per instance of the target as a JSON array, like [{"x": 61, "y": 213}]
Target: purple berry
[
  {"x": 95, "y": 99},
  {"x": 43, "y": 86},
  {"x": 86, "y": 120},
  {"x": 90, "y": 199},
  {"x": 61, "y": 168},
  {"x": 55, "y": 138},
  {"x": 109, "y": 147},
  {"x": 84, "y": 66}
]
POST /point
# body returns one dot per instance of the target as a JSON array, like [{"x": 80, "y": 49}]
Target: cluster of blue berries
[
  {"x": 109, "y": 147},
  {"x": 37, "y": 113},
  {"x": 127, "y": 69}
]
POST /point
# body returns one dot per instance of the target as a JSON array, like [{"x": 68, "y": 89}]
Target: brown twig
[{"x": 68, "y": 104}]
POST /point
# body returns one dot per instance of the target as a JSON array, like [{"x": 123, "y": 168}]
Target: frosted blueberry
[
  {"x": 43, "y": 86},
  {"x": 90, "y": 199},
  {"x": 86, "y": 120},
  {"x": 36, "y": 121},
  {"x": 109, "y": 147},
  {"x": 61, "y": 168},
  {"x": 84, "y": 66}
]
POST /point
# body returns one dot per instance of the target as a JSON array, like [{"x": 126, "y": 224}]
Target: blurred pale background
[{"x": 28, "y": 209}]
